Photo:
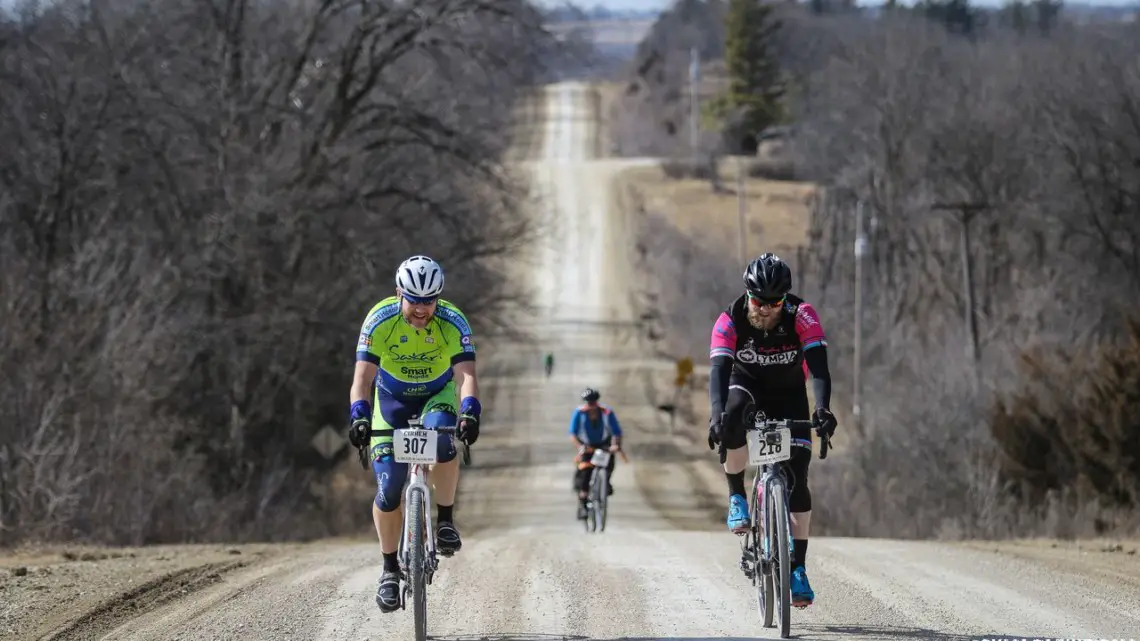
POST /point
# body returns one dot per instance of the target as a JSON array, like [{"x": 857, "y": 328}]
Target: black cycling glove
[
  {"x": 716, "y": 431},
  {"x": 825, "y": 420}
]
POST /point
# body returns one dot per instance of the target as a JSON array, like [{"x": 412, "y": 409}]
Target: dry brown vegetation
[
  {"x": 199, "y": 201},
  {"x": 1024, "y": 421},
  {"x": 686, "y": 227}
]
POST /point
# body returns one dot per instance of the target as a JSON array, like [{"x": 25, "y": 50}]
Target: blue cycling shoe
[
  {"x": 802, "y": 595},
  {"x": 738, "y": 519}
]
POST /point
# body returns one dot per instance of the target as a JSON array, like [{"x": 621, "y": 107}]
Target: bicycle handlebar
[
  {"x": 825, "y": 438},
  {"x": 768, "y": 423},
  {"x": 414, "y": 426}
]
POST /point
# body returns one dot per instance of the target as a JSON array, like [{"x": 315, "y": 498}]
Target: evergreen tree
[{"x": 755, "y": 84}]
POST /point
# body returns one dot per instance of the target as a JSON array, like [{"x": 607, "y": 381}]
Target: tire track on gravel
[{"x": 146, "y": 598}]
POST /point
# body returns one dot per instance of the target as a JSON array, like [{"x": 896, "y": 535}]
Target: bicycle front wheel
[
  {"x": 601, "y": 498},
  {"x": 417, "y": 562},
  {"x": 781, "y": 573},
  {"x": 761, "y": 569}
]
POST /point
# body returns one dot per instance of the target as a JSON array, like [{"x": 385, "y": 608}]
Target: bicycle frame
[{"x": 417, "y": 482}]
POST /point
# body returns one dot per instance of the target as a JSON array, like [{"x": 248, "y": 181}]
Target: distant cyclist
[
  {"x": 549, "y": 363},
  {"x": 418, "y": 350},
  {"x": 593, "y": 426},
  {"x": 759, "y": 345}
]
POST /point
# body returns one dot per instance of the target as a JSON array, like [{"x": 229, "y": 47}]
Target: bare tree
[{"x": 198, "y": 204}]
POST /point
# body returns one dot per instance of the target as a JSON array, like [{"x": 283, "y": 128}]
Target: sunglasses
[
  {"x": 416, "y": 300},
  {"x": 769, "y": 303}
]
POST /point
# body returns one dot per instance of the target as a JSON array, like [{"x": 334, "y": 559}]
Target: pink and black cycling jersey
[{"x": 773, "y": 358}]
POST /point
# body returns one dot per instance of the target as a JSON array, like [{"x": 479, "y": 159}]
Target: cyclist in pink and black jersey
[{"x": 762, "y": 347}]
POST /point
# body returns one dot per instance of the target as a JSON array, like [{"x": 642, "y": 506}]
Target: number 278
[{"x": 774, "y": 448}]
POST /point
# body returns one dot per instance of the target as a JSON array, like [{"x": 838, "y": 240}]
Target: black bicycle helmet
[
  {"x": 768, "y": 278},
  {"x": 590, "y": 395}
]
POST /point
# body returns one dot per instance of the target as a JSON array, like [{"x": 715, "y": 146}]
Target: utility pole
[
  {"x": 741, "y": 211},
  {"x": 966, "y": 212},
  {"x": 860, "y": 252},
  {"x": 694, "y": 101}
]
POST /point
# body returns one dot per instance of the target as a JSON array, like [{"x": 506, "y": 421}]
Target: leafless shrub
[
  {"x": 198, "y": 204},
  {"x": 1013, "y": 155}
]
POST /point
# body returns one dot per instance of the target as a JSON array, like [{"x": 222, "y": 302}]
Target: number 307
[{"x": 415, "y": 445}]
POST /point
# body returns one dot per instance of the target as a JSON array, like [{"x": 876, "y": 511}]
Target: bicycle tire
[
  {"x": 761, "y": 579},
  {"x": 782, "y": 572},
  {"x": 591, "y": 514},
  {"x": 417, "y": 562},
  {"x": 602, "y": 499}
]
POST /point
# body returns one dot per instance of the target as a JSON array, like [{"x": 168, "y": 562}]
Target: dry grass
[{"x": 777, "y": 213}]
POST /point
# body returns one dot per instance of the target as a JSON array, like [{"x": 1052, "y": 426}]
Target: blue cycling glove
[
  {"x": 469, "y": 411},
  {"x": 360, "y": 417}
]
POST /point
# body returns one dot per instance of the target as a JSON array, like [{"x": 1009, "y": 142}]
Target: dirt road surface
[{"x": 665, "y": 568}]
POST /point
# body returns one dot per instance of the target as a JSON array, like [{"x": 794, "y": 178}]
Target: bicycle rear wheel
[
  {"x": 781, "y": 572},
  {"x": 417, "y": 562}
]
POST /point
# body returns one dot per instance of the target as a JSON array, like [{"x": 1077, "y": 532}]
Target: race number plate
[
  {"x": 761, "y": 452},
  {"x": 601, "y": 458},
  {"x": 416, "y": 446}
]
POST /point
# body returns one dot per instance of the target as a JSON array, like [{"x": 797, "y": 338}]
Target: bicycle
[
  {"x": 597, "y": 497},
  {"x": 418, "y": 447},
  {"x": 769, "y": 445},
  {"x": 465, "y": 451}
]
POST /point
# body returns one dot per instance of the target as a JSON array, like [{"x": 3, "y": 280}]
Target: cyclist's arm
[
  {"x": 468, "y": 384},
  {"x": 813, "y": 341},
  {"x": 722, "y": 350},
  {"x": 462, "y": 358},
  {"x": 368, "y": 355},
  {"x": 573, "y": 431},
  {"x": 362, "y": 382},
  {"x": 615, "y": 428}
]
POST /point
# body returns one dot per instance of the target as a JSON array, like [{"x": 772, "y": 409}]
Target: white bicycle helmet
[{"x": 420, "y": 276}]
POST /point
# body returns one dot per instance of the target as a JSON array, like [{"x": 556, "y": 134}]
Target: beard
[{"x": 762, "y": 322}]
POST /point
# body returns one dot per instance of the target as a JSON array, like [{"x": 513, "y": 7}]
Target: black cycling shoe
[
  {"x": 388, "y": 594},
  {"x": 447, "y": 538}
]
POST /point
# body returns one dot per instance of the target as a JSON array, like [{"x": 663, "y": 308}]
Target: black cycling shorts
[{"x": 745, "y": 396}]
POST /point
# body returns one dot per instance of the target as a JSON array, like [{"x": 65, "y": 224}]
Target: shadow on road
[
  {"x": 806, "y": 632},
  {"x": 562, "y": 637},
  {"x": 876, "y": 633}
]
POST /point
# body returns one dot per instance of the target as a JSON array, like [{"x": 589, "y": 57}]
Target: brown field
[{"x": 776, "y": 211}]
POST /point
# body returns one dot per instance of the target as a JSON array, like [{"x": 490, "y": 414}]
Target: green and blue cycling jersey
[{"x": 414, "y": 363}]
